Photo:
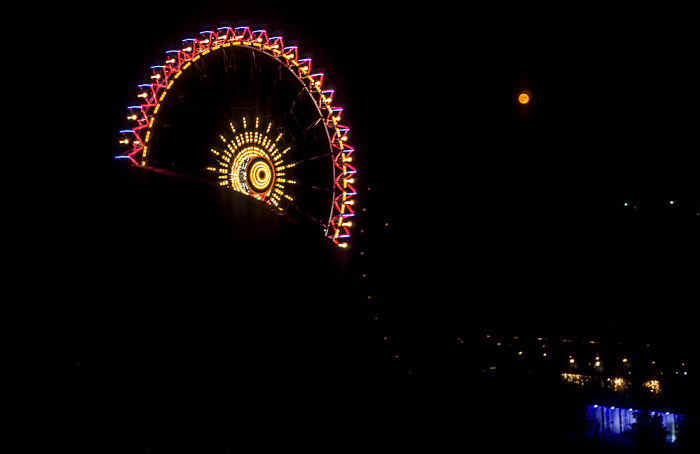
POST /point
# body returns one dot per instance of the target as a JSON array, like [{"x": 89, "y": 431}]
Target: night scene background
[{"x": 488, "y": 233}]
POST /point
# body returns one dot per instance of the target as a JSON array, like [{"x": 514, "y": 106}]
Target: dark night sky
[
  {"x": 477, "y": 191},
  {"x": 482, "y": 215}
]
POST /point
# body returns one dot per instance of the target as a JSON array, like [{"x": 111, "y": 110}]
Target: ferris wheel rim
[{"x": 179, "y": 60}]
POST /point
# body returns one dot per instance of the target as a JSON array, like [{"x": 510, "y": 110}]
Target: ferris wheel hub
[{"x": 259, "y": 175}]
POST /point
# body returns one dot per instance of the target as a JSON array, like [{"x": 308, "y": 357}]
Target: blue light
[
  {"x": 604, "y": 419},
  {"x": 123, "y": 156}
]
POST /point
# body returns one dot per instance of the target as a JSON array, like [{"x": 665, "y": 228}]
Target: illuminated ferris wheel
[{"x": 238, "y": 109}]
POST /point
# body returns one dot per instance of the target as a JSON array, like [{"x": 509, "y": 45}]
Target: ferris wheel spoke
[
  {"x": 307, "y": 214},
  {"x": 313, "y": 158},
  {"x": 273, "y": 87},
  {"x": 318, "y": 188},
  {"x": 308, "y": 129}
]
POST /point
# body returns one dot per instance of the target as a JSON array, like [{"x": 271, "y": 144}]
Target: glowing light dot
[{"x": 523, "y": 98}]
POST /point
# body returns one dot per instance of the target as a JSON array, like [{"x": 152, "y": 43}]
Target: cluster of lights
[
  {"x": 595, "y": 362},
  {"x": 253, "y": 163},
  {"x": 653, "y": 386},
  {"x": 152, "y": 94},
  {"x": 575, "y": 379},
  {"x": 616, "y": 384}
]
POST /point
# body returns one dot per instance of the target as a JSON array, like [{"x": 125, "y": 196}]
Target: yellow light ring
[{"x": 260, "y": 175}]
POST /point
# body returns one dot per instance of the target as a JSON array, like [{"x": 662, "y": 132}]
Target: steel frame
[{"x": 152, "y": 94}]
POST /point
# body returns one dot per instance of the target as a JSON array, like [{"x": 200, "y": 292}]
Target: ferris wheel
[{"x": 240, "y": 110}]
